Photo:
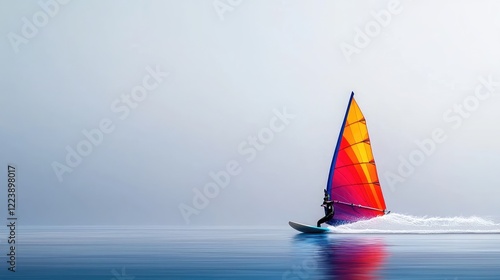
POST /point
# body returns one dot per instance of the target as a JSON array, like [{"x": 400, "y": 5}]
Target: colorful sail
[{"x": 353, "y": 182}]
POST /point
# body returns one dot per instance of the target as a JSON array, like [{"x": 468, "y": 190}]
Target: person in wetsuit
[{"x": 329, "y": 210}]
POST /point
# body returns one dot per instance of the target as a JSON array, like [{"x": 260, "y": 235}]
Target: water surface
[{"x": 126, "y": 253}]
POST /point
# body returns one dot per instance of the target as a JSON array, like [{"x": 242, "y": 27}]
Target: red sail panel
[{"x": 353, "y": 182}]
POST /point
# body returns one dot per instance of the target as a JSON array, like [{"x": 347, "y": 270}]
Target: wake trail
[{"x": 400, "y": 223}]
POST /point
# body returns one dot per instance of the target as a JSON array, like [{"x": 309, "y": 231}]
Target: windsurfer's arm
[{"x": 325, "y": 203}]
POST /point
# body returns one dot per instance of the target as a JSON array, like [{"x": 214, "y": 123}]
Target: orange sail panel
[{"x": 353, "y": 182}]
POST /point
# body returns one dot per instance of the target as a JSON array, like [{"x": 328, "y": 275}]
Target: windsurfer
[{"x": 329, "y": 211}]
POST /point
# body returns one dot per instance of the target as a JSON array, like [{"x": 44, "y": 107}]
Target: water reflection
[{"x": 341, "y": 257}]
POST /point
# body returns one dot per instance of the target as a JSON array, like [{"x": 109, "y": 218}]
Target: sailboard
[
  {"x": 353, "y": 182},
  {"x": 307, "y": 228}
]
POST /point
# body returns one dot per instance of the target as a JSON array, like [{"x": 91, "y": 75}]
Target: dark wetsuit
[{"x": 329, "y": 211}]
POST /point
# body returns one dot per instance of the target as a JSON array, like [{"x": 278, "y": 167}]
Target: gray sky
[{"x": 231, "y": 66}]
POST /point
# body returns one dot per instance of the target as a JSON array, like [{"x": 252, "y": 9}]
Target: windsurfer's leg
[
  {"x": 329, "y": 217},
  {"x": 322, "y": 220},
  {"x": 325, "y": 219}
]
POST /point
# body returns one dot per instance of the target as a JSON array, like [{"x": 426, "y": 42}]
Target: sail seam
[
  {"x": 357, "y": 163},
  {"x": 377, "y": 183},
  {"x": 366, "y": 141},
  {"x": 359, "y": 121}
]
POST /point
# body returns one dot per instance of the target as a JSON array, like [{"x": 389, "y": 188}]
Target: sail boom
[{"x": 359, "y": 206}]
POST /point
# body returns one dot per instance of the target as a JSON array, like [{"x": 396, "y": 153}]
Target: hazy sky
[{"x": 180, "y": 89}]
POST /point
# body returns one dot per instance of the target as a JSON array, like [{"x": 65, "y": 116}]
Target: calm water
[{"x": 120, "y": 253}]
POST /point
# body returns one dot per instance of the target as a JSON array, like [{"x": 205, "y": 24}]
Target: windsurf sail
[{"x": 353, "y": 182}]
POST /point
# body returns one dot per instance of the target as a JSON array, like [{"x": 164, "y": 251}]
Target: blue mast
[{"x": 334, "y": 160}]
